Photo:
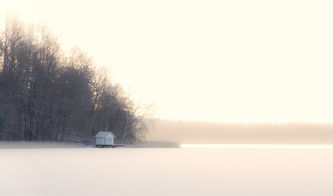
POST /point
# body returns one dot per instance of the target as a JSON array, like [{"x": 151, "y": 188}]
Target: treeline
[
  {"x": 47, "y": 95},
  {"x": 240, "y": 133}
]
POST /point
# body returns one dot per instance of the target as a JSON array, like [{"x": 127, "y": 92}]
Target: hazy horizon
[
  {"x": 240, "y": 133},
  {"x": 164, "y": 98}
]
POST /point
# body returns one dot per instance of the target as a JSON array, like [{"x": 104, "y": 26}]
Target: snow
[
  {"x": 104, "y": 134},
  {"x": 165, "y": 171}
]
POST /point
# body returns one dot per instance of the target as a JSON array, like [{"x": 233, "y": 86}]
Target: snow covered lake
[{"x": 165, "y": 171}]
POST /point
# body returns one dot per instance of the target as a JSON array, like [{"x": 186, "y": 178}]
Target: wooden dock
[{"x": 110, "y": 146}]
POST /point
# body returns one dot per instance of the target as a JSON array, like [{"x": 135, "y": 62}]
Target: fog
[
  {"x": 158, "y": 171},
  {"x": 267, "y": 133}
]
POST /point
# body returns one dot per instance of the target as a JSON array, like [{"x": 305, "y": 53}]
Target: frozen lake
[{"x": 168, "y": 171}]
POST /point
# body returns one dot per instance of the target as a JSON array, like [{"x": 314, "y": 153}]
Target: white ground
[{"x": 159, "y": 172}]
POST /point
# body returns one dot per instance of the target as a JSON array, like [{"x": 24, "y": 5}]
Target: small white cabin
[{"x": 105, "y": 138}]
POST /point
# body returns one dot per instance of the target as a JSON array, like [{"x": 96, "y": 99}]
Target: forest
[{"x": 47, "y": 94}]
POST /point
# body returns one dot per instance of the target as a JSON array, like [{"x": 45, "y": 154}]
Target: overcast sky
[{"x": 231, "y": 61}]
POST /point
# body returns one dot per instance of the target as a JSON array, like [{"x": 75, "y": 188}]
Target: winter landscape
[
  {"x": 165, "y": 171},
  {"x": 166, "y": 98}
]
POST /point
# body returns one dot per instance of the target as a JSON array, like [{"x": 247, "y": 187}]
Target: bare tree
[{"x": 48, "y": 95}]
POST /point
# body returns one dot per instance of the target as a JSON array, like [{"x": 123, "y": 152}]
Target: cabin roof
[{"x": 105, "y": 134}]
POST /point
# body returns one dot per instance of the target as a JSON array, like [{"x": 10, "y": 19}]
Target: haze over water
[
  {"x": 215, "y": 61},
  {"x": 259, "y": 146}
]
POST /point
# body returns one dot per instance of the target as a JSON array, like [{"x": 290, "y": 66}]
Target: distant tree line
[{"x": 47, "y": 95}]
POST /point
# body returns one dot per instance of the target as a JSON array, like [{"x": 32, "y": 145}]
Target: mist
[
  {"x": 240, "y": 133},
  {"x": 218, "y": 68}
]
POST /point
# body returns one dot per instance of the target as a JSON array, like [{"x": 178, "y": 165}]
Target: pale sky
[{"x": 230, "y": 61}]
